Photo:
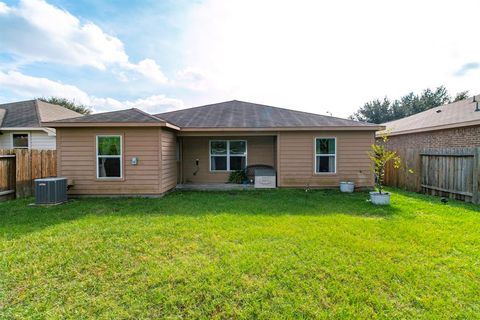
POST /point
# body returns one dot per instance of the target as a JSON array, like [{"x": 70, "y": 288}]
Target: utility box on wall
[
  {"x": 50, "y": 190},
  {"x": 265, "y": 178}
]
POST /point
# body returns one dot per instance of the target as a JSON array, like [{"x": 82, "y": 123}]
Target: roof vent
[{"x": 477, "y": 108}]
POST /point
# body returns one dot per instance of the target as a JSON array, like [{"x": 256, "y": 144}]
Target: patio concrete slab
[{"x": 214, "y": 186}]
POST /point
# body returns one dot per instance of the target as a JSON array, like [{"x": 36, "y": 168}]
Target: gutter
[
  {"x": 332, "y": 128},
  {"x": 49, "y": 131}
]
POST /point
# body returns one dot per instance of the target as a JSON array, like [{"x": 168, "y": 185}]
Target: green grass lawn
[{"x": 250, "y": 254}]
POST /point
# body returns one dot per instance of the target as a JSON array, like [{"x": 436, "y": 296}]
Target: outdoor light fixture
[{"x": 476, "y": 104}]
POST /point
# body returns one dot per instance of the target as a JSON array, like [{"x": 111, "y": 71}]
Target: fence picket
[
  {"x": 448, "y": 172},
  {"x": 27, "y": 165}
]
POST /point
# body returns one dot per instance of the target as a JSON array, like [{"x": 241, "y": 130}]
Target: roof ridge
[
  {"x": 197, "y": 107},
  {"x": 3, "y": 112},
  {"x": 147, "y": 114},
  {"x": 94, "y": 114},
  {"x": 39, "y": 121},
  {"x": 56, "y": 105},
  {"x": 273, "y": 107},
  {"x": 305, "y": 112}
]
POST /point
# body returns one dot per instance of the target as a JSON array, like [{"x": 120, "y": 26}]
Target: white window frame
[
  {"x": 210, "y": 155},
  {"x": 97, "y": 156},
  {"x": 29, "y": 140},
  {"x": 315, "y": 155}
]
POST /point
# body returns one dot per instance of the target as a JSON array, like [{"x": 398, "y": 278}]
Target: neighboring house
[
  {"x": 21, "y": 128},
  {"x": 454, "y": 125},
  {"x": 130, "y": 152},
  {"x": 435, "y": 148}
]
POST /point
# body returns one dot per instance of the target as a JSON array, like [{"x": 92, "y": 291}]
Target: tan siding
[
  {"x": 260, "y": 150},
  {"x": 77, "y": 161},
  {"x": 169, "y": 160},
  {"x": 296, "y": 159}
]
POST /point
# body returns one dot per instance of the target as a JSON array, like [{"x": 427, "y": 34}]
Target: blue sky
[{"x": 317, "y": 56}]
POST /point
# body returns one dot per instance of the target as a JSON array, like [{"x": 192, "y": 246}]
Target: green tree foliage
[
  {"x": 381, "y": 111},
  {"x": 461, "y": 96},
  {"x": 380, "y": 156},
  {"x": 69, "y": 104}
]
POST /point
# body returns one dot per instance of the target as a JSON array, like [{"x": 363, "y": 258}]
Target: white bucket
[{"x": 381, "y": 199}]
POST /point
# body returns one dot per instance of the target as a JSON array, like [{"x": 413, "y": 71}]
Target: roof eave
[
  {"x": 107, "y": 124},
  {"x": 101, "y": 124},
  {"x": 427, "y": 129},
  {"x": 50, "y": 131},
  {"x": 324, "y": 128}
]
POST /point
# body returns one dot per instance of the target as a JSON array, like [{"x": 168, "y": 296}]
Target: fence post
[{"x": 476, "y": 166}]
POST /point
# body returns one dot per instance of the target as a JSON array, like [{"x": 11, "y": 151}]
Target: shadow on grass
[{"x": 17, "y": 217}]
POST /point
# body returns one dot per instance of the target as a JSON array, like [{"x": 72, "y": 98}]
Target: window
[
  {"x": 20, "y": 140},
  {"x": 325, "y": 155},
  {"x": 228, "y": 155},
  {"x": 109, "y": 156}
]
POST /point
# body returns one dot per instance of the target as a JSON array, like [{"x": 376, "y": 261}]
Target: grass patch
[{"x": 242, "y": 254}]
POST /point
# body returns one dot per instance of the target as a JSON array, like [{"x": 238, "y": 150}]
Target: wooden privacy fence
[
  {"x": 24, "y": 167},
  {"x": 446, "y": 172},
  {"x": 7, "y": 177}
]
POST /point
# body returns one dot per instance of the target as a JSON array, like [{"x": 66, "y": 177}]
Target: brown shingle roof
[
  {"x": 52, "y": 112},
  {"x": 30, "y": 114},
  {"x": 457, "y": 114},
  {"x": 239, "y": 114},
  {"x": 122, "y": 116},
  {"x": 20, "y": 114}
]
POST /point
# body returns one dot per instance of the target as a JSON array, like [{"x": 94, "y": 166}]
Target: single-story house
[
  {"x": 130, "y": 152},
  {"x": 453, "y": 125},
  {"x": 21, "y": 124}
]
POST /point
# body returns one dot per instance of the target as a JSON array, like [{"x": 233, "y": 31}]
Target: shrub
[
  {"x": 237, "y": 176},
  {"x": 380, "y": 156}
]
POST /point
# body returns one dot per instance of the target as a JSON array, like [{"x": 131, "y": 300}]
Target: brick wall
[{"x": 449, "y": 138}]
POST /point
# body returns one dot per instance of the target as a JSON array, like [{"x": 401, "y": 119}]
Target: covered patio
[{"x": 205, "y": 162}]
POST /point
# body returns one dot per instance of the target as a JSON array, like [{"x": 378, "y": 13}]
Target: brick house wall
[
  {"x": 449, "y": 138},
  {"x": 408, "y": 147}
]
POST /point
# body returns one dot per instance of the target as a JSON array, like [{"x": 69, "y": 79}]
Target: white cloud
[
  {"x": 193, "y": 78},
  {"x": 315, "y": 56},
  {"x": 152, "y": 104},
  {"x": 3, "y": 8},
  {"x": 149, "y": 69},
  {"x": 34, "y": 87},
  {"x": 40, "y": 31},
  {"x": 335, "y": 55},
  {"x": 28, "y": 87}
]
